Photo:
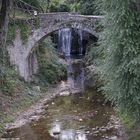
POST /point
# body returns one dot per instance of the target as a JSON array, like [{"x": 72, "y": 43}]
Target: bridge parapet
[{"x": 49, "y": 19}]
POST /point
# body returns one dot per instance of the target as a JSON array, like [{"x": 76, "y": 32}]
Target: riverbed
[{"x": 76, "y": 113}]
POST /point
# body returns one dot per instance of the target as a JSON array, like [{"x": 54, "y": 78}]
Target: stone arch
[
  {"x": 49, "y": 23},
  {"x": 41, "y": 33}
]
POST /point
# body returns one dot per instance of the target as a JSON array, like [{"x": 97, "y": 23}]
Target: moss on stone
[
  {"x": 24, "y": 31},
  {"x": 11, "y": 34}
]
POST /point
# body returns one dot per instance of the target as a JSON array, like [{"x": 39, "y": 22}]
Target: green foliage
[
  {"x": 18, "y": 104},
  {"x": 24, "y": 31},
  {"x": 54, "y": 5},
  {"x": 4, "y": 120},
  {"x": 137, "y": 137},
  {"x": 128, "y": 121},
  {"x": 9, "y": 80},
  {"x": 85, "y": 7},
  {"x": 75, "y": 6},
  {"x": 11, "y": 34},
  {"x": 35, "y": 3},
  {"x": 50, "y": 69},
  {"x": 19, "y": 14},
  {"x": 8, "y": 76},
  {"x": 119, "y": 59},
  {"x": 59, "y": 8},
  {"x": 88, "y": 7}
]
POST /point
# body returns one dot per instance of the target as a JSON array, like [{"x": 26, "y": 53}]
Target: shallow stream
[{"x": 79, "y": 116}]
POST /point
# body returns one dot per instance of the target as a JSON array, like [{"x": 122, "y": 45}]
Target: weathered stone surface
[{"x": 25, "y": 65}]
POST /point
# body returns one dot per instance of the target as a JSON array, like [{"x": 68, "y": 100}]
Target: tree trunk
[{"x": 4, "y": 19}]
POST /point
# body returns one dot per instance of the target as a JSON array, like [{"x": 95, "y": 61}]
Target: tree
[
  {"x": 88, "y": 7},
  {"x": 35, "y": 3},
  {"x": 120, "y": 55},
  {"x": 45, "y": 4},
  {"x": 4, "y": 19}
]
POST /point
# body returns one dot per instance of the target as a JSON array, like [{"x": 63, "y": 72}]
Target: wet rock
[
  {"x": 113, "y": 138},
  {"x": 39, "y": 111},
  {"x": 96, "y": 132},
  {"x": 56, "y": 129},
  {"x": 16, "y": 124},
  {"x": 103, "y": 130},
  {"x": 87, "y": 132},
  {"x": 65, "y": 93},
  {"x": 34, "y": 118},
  {"x": 75, "y": 111},
  {"x": 82, "y": 127},
  {"x": 68, "y": 135},
  {"x": 75, "y": 91},
  {"x": 93, "y": 129},
  {"x": 53, "y": 103},
  {"x": 81, "y": 135},
  {"x": 80, "y": 120}
]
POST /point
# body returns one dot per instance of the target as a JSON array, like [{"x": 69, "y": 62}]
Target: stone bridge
[
  {"x": 55, "y": 21},
  {"x": 24, "y": 60}
]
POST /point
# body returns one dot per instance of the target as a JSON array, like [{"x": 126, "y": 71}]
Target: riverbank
[
  {"x": 86, "y": 115},
  {"x": 27, "y": 103},
  {"x": 35, "y": 106},
  {"x": 14, "y": 106}
]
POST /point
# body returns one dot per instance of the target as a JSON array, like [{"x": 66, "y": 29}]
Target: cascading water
[
  {"x": 65, "y": 41},
  {"x": 75, "y": 70},
  {"x": 80, "y": 41}
]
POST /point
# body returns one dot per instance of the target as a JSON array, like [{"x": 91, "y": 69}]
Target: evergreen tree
[
  {"x": 88, "y": 7},
  {"x": 119, "y": 66}
]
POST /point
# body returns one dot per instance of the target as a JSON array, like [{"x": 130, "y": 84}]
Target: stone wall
[{"x": 26, "y": 66}]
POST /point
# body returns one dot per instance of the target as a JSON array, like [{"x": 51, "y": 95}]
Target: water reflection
[{"x": 68, "y": 134}]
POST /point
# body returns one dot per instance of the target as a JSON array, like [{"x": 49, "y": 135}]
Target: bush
[
  {"x": 9, "y": 80},
  {"x": 59, "y": 8},
  {"x": 50, "y": 69}
]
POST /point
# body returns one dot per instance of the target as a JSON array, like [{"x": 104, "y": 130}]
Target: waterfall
[
  {"x": 80, "y": 41},
  {"x": 65, "y": 41}
]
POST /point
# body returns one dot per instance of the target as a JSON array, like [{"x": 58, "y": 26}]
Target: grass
[
  {"x": 18, "y": 107},
  {"x": 128, "y": 121},
  {"x": 3, "y": 121},
  {"x": 20, "y": 14}
]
